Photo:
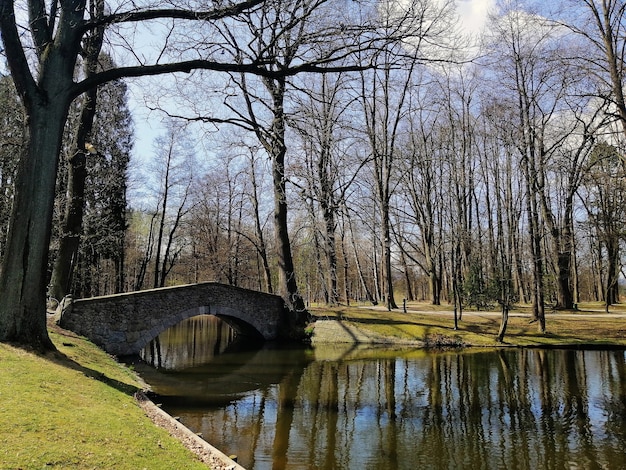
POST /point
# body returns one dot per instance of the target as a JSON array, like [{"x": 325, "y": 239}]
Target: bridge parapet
[{"x": 123, "y": 324}]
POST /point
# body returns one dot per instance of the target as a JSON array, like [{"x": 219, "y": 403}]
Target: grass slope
[{"x": 74, "y": 409}]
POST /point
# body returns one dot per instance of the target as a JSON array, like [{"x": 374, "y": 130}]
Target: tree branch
[
  {"x": 39, "y": 26},
  {"x": 199, "y": 64},
  {"x": 172, "y": 13},
  {"x": 14, "y": 53}
]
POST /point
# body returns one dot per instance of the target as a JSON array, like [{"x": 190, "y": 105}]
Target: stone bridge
[{"x": 122, "y": 324}]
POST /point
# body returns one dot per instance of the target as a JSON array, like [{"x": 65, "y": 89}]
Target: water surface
[{"x": 377, "y": 408}]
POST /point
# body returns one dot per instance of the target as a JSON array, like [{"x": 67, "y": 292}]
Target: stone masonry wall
[{"x": 123, "y": 324}]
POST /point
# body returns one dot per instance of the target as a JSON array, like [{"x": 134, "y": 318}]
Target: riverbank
[
  {"x": 75, "y": 409},
  {"x": 424, "y": 325}
]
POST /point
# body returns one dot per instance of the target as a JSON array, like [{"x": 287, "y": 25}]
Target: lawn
[
  {"x": 75, "y": 409},
  {"x": 589, "y": 326}
]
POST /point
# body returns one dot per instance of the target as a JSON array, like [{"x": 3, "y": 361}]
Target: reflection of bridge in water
[
  {"x": 228, "y": 376},
  {"x": 122, "y": 324}
]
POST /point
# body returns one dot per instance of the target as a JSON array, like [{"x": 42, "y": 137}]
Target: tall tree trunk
[
  {"x": 346, "y": 267},
  {"x": 389, "y": 297},
  {"x": 434, "y": 280},
  {"x": 407, "y": 276},
  {"x": 288, "y": 287},
  {"x": 331, "y": 254},
  {"x": 538, "y": 312},
  {"x": 562, "y": 246},
  {"x": 286, "y": 272},
  {"x": 368, "y": 293},
  {"x": 611, "y": 295},
  {"x": 23, "y": 277},
  {"x": 159, "y": 277},
  {"x": 71, "y": 228}
]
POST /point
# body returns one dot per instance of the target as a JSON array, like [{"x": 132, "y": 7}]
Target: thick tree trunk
[
  {"x": 331, "y": 254},
  {"x": 530, "y": 176},
  {"x": 538, "y": 313},
  {"x": 434, "y": 280},
  {"x": 504, "y": 321},
  {"x": 346, "y": 268},
  {"x": 23, "y": 278},
  {"x": 287, "y": 276},
  {"x": 565, "y": 294}
]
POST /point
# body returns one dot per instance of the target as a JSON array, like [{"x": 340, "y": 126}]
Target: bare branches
[
  {"x": 172, "y": 13},
  {"x": 187, "y": 67}
]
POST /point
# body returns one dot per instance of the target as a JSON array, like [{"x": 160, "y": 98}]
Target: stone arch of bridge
[
  {"x": 229, "y": 315},
  {"x": 122, "y": 324}
]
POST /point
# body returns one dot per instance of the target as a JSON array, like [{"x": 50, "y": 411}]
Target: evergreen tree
[{"x": 100, "y": 260}]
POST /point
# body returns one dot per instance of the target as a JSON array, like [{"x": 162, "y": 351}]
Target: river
[{"x": 346, "y": 407}]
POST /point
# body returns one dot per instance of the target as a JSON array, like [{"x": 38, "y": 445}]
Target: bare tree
[
  {"x": 603, "y": 194},
  {"x": 602, "y": 24},
  {"x": 525, "y": 42},
  {"x": 42, "y": 66},
  {"x": 284, "y": 38},
  {"x": 421, "y": 187},
  {"x": 385, "y": 97},
  {"x": 324, "y": 172},
  {"x": 258, "y": 225},
  {"x": 175, "y": 169}
]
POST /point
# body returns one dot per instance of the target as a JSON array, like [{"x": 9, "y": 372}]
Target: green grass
[
  {"x": 74, "y": 409},
  {"x": 586, "y": 327}
]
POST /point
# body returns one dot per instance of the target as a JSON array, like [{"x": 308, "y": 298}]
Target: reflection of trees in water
[
  {"x": 517, "y": 409},
  {"x": 192, "y": 342}
]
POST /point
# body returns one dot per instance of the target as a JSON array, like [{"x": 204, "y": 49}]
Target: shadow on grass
[
  {"x": 383, "y": 321},
  {"x": 61, "y": 359},
  {"x": 430, "y": 335},
  {"x": 66, "y": 339}
]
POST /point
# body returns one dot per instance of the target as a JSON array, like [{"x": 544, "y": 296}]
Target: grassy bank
[
  {"x": 589, "y": 326},
  {"x": 75, "y": 409}
]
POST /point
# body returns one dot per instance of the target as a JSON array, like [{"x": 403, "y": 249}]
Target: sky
[{"x": 472, "y": 15}]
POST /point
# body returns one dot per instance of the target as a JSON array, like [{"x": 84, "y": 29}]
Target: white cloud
[{"x": 473, "y": 14}]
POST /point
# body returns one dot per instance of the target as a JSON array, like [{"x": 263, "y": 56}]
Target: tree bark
[
  {"x": 23, "y": 278},
  {"x": 389, "y": 297},
  {"x": 287, "y": 276},
  {"x": 71, "y": 228},
  {"x": 286, "y": 271}
]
